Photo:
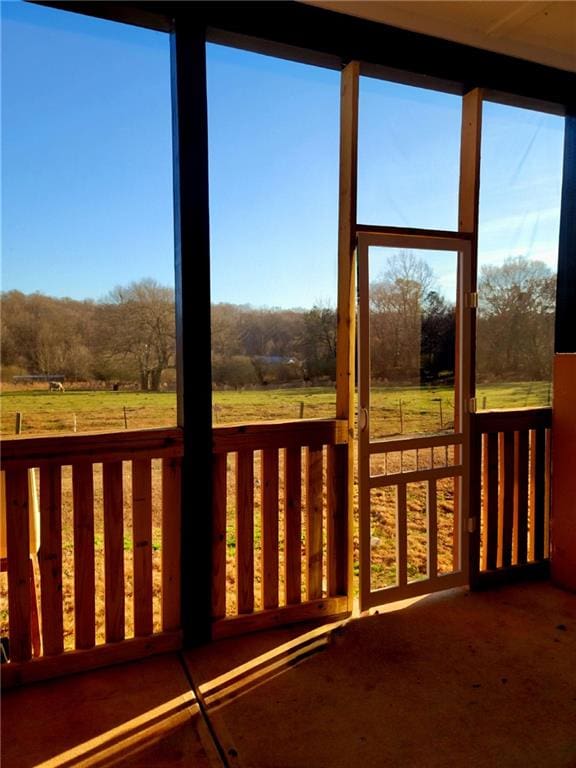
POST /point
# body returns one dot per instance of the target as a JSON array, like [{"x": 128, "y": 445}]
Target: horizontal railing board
[
  {"x": 72, "y": 662},
  {"x": 401, "y": 478},
  {"x": 417, "y": 442},
  {"x": 512, "y": 421},
  {"x": 94, "y": 448},
  {"x": 280, "y": 434},
  {"x": 442, "y": 234},
  {"x": 329, "y": 607},
  {"x": 415, "y": 588}
]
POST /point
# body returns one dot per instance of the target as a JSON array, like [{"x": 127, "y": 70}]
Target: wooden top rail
[
  {"x": 512, "y": 421},
  {"x": 107, "y": 446},
  {"x": 410, "y": 443},
  {"x": 279, "y": 434}
]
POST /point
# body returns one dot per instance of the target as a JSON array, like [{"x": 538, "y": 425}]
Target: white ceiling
[{"x": 536, "y": 30}]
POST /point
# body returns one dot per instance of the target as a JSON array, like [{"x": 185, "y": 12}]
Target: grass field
[{"x": 395, "y": 410}]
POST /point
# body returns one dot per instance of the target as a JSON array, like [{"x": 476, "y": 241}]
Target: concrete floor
[{"x": 487, "y": 679}]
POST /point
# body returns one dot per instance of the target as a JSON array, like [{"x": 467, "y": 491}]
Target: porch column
[
  {"x": 563, "y": 513},
  {"x": 192, "y": 262}
]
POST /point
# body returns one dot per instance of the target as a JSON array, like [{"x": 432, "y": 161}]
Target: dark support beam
[
  {"x": 565, "y": 336},
  {"x": 192, "y": 263}
]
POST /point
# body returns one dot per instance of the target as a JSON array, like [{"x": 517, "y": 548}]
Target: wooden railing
[
  {"x": 510, "y": 466},
  {"x": 102, "y": 498},
  {"x": 281, "y": 535}
]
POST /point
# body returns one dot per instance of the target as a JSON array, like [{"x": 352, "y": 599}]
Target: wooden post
[
  {"x": 193, "y": 341},
  {"x": 125, "y": 419},
  {"x": 18, "y": 427},
  {"x": 302, "y": 409},
  {"x": 345, "y": 344},
  {"x": 465, "y": 378},
  {"x": 563, "y": 517}
]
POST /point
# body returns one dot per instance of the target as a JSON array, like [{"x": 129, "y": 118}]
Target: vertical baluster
[
  {"x": 50, "y": 559},
  {"x": 491, "y": 492},
  {"x": 113, "y": 550},
  {"x": 338, "y": 540},
  {"x": 142, "y": 546},
  {"x": 219, "y": 502},
  {"x": 431, "y": 508},
  {"x": 539, "y": 489},
  {"x": 84, "y": 575},
  {"x": 269, "y": 519},
  {"x": 522, "y": 498},
  {"x": 314, "y": 523},
  {"x": 245, "y": 531},
  {"x": 171, "y": 495},
  {"x": 292, "y": 525},
  {"x": 507, "y": 495},
  {"x": 18, "y": 566},
  {"x": 401, "y": 535}
]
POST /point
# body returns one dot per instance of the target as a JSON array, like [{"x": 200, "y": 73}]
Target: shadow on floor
[
  {"x": 452, "y": 680},
  {"x": 487, "y": 679},
  {"x": 138, "y": 714}
]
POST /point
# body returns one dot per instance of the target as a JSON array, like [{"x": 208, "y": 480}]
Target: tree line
[{"x": 129, "y": 337}]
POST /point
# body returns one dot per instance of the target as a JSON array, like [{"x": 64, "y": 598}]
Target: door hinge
[
  {"x": 472, "y": 300},
  {"x": 471, "y": 525}
]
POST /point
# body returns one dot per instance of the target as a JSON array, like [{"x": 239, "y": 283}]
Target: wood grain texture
[
  {"x": 337, "y": 528},
  {"x": 331, "y": 608},
  {"x": 516, "y": 420},
  {"x": 72, "y": 662},
  {"x": 346, "y": 315},
  {"x": 113, "y": 550},
  {"x": 142, "y": 546},
  {"x": 314, "y": 510},
  {"x": 171, "y": 551},
  {"x": 269, "y": 526},
  {"x": 219, "y": 505},
  {"x": 491, "y": 495},
  {"x": 281, "y": 434},
  {"x": 292, "y": 525},
  {"x": 521, "y": 498},
  {"x": 507, "y": 495},
  {"x": 245, "y": 531},
  {"x": 539, "y": 490},
  {"x": 18, "y": 565},
  {"x": 401, "y": 536},
  {"x": 95, "y": 448},
  {"x": 50, "y": 560},
  {"x": 390, "y": 445},
  {"x": 84, "y": 573},
  {"x": 432, "y": 513}
]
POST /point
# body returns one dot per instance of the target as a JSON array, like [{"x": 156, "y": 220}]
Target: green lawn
[{"x": 395, "y": 410}]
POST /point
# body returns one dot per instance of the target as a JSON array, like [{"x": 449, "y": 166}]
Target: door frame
[{"x": 464, "y": 404}]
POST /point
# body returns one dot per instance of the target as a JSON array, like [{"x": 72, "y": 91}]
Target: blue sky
[{"x": 87, "y": 166}]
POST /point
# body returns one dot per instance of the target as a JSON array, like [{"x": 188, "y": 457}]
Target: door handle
[{"x": 362, "y": 419}]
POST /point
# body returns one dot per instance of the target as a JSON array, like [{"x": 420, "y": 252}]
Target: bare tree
[
  {"x": 516, "y": 319},
  {"x": 138, "y": 323},
  {"x": 396, "y": 306}
]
